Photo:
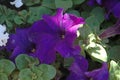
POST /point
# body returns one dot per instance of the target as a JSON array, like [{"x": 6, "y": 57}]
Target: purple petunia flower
[
  {"x": 47, "y": 36},
  {"x": 112, "y": 6},
  {"x": 78, "y": 71},
  {"x": 19, "y": 44},
  {"x": 55, "y": 34},
  {"x": 114, "y": 30}
]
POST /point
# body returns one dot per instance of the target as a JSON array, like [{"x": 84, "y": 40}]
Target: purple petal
[
  {"x": 65, "y": 49},
  {"x": 39, "y": 28},
  {"x": 91, "y": 2},
  {"x": 116, "y": 10},
  {"x": 114, "y": 30},
  {"x": 16, "y": 52},
  {"x": 45, "y": 50},
  {"x": 19, "y": 43},
  {"x": 77, "y": 69},
  {"x": 99, "y": 1},
  {"x": 55, "y": 21},
  {"x": 99, "y": 74},
  {"x": 72, "y": 23}
]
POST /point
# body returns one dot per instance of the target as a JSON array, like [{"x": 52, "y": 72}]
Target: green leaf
[
  {"x": 18, "y": 20},
  {"x": 93, "y": 23},
  {"x": 84, "y": 32},
  {"x": 3, "y": 76},
  {"x": 49, "y": 4},
  {"x": 66, "y": 4},
  {"x": 40, "y": 72},
  {"x": 114, "y": 53},
  {"x": 7, "y": 16},
  {"x": 77, "y": 2},
  {"x": 96, "y": 18},
  {"x": 114, "y": 71},
  {"x": 75, "y": 12},
  {"x": 85, "y": 14},
  {"x": 26, "y": 74},
  {"x": 24, "y": 61},
  {"x": 31, "y": 2},
  {"x": 96, "y": 51},
  {"x": 49, "y": 71},
  {"x": 68, "y": 62},
  {"x": 9, "y": 24},
  {"x": 36, "y": 13},
  {"x": 98, "y": 12},
  {"x": 6, "y": 66}
]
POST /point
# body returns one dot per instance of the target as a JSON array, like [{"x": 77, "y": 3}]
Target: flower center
[
  {"x": 62, "y": 35},
  {"x": 33, "y": 50}
]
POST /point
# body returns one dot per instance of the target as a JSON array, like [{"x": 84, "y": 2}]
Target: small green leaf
[
  {"x": 49, "y": 4},
  {"x": 6, "y": 66},
  {"x": 85, "y": 14},
  {"x": 96, "y": 51},
  {"x": 24, "y": 61},
  {"x": 63, "y": 4},
  {"x": 40, "y": 72},
  {"x": 49, "y": 71},
  {"x": 98, "y": 12},
  {"x": 68, "y": 62},
  {"x": 75, "y": 12},
  {"x": 26, "y": 74},
  {"x": 18, "y": 20},
  {"x": 114, "y": 71},
  {"x": 93, "y": 23},
  {"x": 77, "y": 2},
  {"x": 3, "y": 76},
  {"x": 114, "y": 53},
  {"x": 9, "y": 24},
  {"x": 36, "y": 13}
]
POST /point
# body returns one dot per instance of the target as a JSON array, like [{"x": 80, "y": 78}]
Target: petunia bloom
[
  {"x": 111, "y": 31},
  {"x": 55, "y": 34},
  {"x": 78, "y": 71},
  {"x": 48, "y": 36},
  {"x": 18, "y": 43}
]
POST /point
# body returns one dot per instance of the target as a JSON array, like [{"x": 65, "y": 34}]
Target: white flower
[
  {"x": 3, "y": 35},
  {"x": 17, "y": 3}
]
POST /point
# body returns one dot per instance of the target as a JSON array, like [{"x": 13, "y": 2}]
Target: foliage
[
  {"x": 114, "y": 70},
  {"x": 99, "y": 50}
]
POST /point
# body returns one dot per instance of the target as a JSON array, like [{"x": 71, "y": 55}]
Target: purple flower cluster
[
  {"x": 51, "y": 35},
  {"x": 46, "y": 37},
  {"x": 112, "y": 6}
]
